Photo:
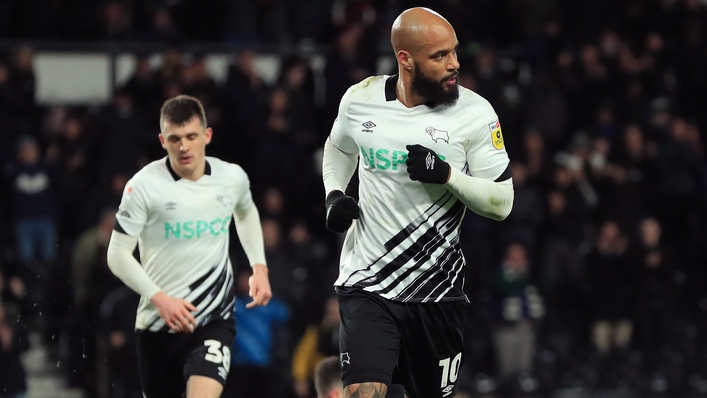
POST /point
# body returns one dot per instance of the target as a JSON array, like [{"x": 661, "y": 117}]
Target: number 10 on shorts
[{"x": 450, "y": 369}]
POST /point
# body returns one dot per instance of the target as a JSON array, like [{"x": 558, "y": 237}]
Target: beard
[{"x": 434, "y": 92}]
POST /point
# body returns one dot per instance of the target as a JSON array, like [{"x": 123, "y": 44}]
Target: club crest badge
[{"x": 437, "y": 135}]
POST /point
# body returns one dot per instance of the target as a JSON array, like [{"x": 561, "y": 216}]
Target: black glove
[
  {"x": 341, "y": 210},
  {"x": 425, "y": 166}
]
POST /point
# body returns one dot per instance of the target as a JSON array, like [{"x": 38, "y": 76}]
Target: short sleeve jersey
[
  {"x": 405, "y": 246},
  {"x": 183, "y": 235}
]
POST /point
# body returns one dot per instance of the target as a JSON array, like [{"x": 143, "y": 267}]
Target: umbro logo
[
  {"x": 447, "y": 390},
  {"x": 222, "y": 372},
  {"x": 368, "y": 126},
  {"x": 430, "y": 161},
  {"x": 124, "y": 213},
  {"x": 170, "y": 206}
]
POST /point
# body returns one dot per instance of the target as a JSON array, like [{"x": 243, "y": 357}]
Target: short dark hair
[
  {"x": 181, "y": 109},
  {"x": 327, "y": 375}
]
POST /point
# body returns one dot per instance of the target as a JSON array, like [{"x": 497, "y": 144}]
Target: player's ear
[
  {"x": 209, "y": 132},
  {"x": 405, "y": 59},
  {"x": 161, "y": 137}
]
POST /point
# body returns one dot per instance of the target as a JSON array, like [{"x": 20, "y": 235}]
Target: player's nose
[{"x": 453, "y": 63}]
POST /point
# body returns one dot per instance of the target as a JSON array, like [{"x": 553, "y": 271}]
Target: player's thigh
[
  {"x": 209, "y": 354},
  {"x": 433, "y": 342},
  {"x": 160, "y": 361},
  {"x": 203, "y": 387},
  {"x": 369, "y": 338}
]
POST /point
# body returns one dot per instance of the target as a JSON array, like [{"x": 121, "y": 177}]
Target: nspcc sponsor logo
[{"x": 196, "y": 229}]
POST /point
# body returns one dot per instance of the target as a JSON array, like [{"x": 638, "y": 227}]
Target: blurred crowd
[{"x": 596, "y": 279}]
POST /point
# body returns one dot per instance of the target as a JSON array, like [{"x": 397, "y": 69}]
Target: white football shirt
[
  {"x": 183, "y": 235},
  {"x": 405, "y": 246}
]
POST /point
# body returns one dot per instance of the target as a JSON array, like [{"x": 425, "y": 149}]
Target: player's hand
[
  {"x": 424, "y": 165},
  {"x": 341, "y": 210},
  {"x": 175, "y": 312},
  {"x": 259, "y": 286}
]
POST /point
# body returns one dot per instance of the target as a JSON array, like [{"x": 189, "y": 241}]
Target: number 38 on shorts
[{"x": 218, "y": 354}]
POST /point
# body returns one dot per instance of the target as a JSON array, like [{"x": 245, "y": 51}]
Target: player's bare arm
[{"x": 366, "y": 390}]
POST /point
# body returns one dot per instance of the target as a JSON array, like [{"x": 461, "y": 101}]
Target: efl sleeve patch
[
  {"x": 496, "y": 135},
  {"x": 132, "y": 212}
]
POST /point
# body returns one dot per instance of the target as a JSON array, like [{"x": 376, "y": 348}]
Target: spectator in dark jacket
[
  {"x": 33, "y": 205},
  {"x": 655, "y": 263},
  {"x": 611, "y": 290},
  {"x": 517, "y": 306}
]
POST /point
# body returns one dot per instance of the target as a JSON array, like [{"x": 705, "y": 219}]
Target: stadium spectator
[
  {"x": 612, "y": 288},
  {"x": 319, "y": 341},
  {"x": 256, "y": 344},
  {"x": 517, "y": 308},
  {"x": 117, "y": 371},
  {"x": 34, "y": 203}
]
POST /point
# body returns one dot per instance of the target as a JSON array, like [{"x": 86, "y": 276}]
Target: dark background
[{"x": 595, "y": 284}]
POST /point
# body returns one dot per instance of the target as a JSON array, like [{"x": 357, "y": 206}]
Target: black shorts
[
  {"x": 418, "y": 345},
  {"x": 167, "y": 360}
]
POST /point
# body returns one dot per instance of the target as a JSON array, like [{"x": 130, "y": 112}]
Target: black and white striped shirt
[
  {"x": 405, "y": 247},
  {"x": 183, "y": 235}
]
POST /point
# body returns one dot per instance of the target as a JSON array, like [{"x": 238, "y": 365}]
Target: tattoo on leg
[{"x": 366, "y": 390}]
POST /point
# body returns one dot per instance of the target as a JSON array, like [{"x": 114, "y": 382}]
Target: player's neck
[
  {"x": 405, "y": 94},
  {"x": 198, "y": 172}
]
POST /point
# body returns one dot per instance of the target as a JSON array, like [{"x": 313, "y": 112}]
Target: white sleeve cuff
[
  {"x": 337, "y": 168},
  {"x": 122, "y": 263},
  {"x": 484, "y": 197}
]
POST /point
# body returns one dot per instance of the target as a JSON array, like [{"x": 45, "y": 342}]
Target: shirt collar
[
  {"x": 207, "y": 169},
  {"x": 390, "y": 83},
  {"x": 391, "y": 94}
]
